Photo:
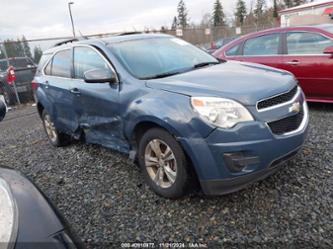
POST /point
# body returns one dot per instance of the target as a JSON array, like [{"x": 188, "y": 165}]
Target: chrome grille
[{"x": 276, "y": 100}]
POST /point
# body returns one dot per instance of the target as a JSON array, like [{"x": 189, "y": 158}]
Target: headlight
[
  {"x": 8, "y": 216},
  {"x": 224, "y": 113}
]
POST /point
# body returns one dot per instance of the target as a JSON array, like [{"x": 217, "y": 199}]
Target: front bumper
[
  {"x": 252, "y": 145},
  {"x": 226, "y": 186}
]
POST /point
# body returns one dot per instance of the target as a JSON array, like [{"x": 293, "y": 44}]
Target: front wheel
[
  {"x": 55, "y": 137},
  {"x": 164, "y": 164}
]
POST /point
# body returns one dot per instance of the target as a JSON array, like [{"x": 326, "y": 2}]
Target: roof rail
[
  {"x": 129, "y": 33},
  {"x": 65, "y": 42}
]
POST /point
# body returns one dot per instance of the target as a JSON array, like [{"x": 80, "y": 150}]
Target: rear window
[
  {"x": 21, "y": 63},
  {"x": 3, "y": 65}
]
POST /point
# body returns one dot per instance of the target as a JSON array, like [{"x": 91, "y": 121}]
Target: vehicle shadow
[{"x": 320, "y": 106}]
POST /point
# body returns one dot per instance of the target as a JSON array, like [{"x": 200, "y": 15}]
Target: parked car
[
  {"x": 25, "y": 70},
  {"x": 3, "y": 109},
  {"x": 220, "y": 43},
  {"x": 307, "y": 52},
  {"x": 27, "y": 219},
  {"x": 180, "y": 112}
]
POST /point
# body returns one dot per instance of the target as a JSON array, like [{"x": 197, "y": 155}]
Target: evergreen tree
[
  {"x": 218, "y": 14},
  {"x": 182, "y": 14},
  {"x": 241, "y": 11},
  {"x": 174, "y": 23},
  {"x": 11, "y": 48},
  {"x": 259, "y": 9},
  {"x": 299, "y": 2},
  {"x": 289, "y": 3},
  {"x": 37, "y": 54},
  {"x": 294, "y": 3},
  {"x": 18, "y": 47},
  {"x": 26, "y": 47}
]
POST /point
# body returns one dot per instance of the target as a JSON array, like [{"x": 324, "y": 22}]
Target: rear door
[
  {"x": 265, "y": 49},
  {"x": 56, "y": 84},
  {"x": 304, "y": 58}
]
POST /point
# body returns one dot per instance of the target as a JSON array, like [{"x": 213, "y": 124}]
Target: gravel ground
[{"x": 102, "y": 194}]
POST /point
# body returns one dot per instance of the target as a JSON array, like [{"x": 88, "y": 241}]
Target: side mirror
[
  {"x": 3, "y": 110},
  {"x": 100, "y": 76},
  {"x": 328, "y": 50}
]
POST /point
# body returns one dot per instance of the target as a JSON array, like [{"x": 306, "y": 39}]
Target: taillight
[{"x": 34, "y": 85}]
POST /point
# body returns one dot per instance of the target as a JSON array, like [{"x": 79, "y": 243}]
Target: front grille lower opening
[{"x": 287, "y": 124}]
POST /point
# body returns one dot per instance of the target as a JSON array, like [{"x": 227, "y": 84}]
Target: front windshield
[{"x": 148, "y": 58}]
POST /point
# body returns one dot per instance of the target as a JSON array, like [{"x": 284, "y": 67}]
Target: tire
[
  {"x": 55, "y": 137},
  {"x": 173, "y": 166},
  {"x": 8, "y": 95}
]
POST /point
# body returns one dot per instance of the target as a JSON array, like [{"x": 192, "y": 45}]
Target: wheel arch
[{"x": 144, "y": 125}]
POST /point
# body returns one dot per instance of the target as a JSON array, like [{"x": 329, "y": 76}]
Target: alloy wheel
[
  {"x": 50, "y": 128},
  {"x": 161, "y": 164}
]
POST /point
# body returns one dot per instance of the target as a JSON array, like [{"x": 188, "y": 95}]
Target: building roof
[{"x": 306, "y": 6}]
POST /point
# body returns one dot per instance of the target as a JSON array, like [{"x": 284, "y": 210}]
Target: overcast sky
[{"x": 49, "y": 18}]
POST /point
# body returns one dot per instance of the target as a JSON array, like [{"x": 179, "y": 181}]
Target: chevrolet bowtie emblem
[{"x": 296, "y": 107}]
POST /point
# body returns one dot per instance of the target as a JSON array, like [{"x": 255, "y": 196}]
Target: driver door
[{"x": 97, "y": 104}]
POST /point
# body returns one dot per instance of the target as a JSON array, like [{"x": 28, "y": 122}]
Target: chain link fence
[{"x": 23, "y": 55}]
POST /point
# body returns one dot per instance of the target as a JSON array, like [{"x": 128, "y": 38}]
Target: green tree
[
  {"x": 240, "y": 12},
  {"x": 294, "y": 3},
  {"x": 259, "y": 9},
  {"x": 299, "y": 2},
  {"x": 218, "y": 14},
  {"x": 288, "y": 3},
  {"x": 11, "y": 48},
  {"x": 19, "y": 48},
  {"x": 26, "y": 47},
  {"x": 182, "y": 14},
  {"x": 275, "y": 9},
  {"x": 174, "y": 23},
  {"x": 37, "y": 54}
]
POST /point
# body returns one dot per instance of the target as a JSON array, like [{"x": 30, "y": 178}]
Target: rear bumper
[{"x": 227, "y": 186}]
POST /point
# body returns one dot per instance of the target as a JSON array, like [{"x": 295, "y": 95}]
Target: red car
[{"x": 307, "y": 52}]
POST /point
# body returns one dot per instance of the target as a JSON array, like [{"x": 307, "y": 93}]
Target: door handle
[
  {"x": 75, "y": 91},
  {"x": 295, "y": 62}
]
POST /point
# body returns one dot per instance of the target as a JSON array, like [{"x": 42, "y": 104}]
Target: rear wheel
[
  {"x": 164, "y": 164},
  {"x": 55, "y": 137},
  {"x": 8, "y": 95}
]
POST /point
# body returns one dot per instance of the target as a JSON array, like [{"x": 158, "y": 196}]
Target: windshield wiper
[
  {"x": 204, "y": 64},
  {"x": 166, "y": 74}
]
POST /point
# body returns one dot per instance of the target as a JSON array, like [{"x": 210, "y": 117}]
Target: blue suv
[{"x": 185, "y": 116}]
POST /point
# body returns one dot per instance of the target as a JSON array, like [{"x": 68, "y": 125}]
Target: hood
[{"x": 244, "y": 82}]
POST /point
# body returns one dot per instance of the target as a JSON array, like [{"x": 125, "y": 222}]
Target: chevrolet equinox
[{"x": 182, "y": 114}]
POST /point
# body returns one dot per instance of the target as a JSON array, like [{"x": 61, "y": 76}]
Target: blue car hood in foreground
[{"x": 244, "y": 82}]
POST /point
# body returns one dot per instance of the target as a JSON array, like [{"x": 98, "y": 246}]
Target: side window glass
[
  {"x": 307, "y": 43},
  {"x": 86, "y": 59},
  {"x": 47, "y": 69},
  {"x": 233, "y": 51},
  {"x": 263, "y": 45},
  {"x": 61, "y": 64}
]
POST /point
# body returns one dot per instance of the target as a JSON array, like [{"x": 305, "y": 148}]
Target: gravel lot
[{"x": 102, "y": 194}]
